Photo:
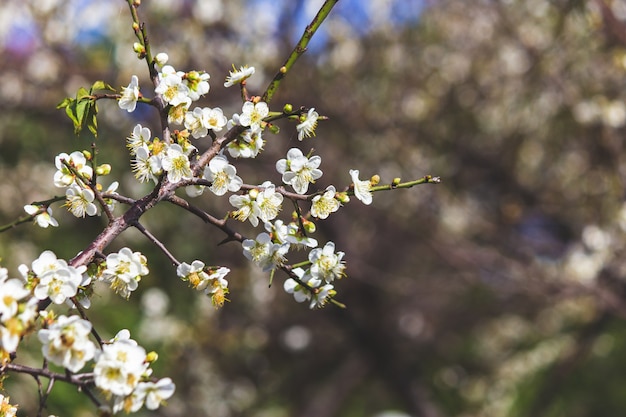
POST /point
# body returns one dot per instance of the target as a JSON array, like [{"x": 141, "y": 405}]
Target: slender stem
[
  {"x": 299, "y": 49},
  {"x": 157, "y": 242},
  {"x": 428, "y": 179},
  {"x": 219, "y": 223}
]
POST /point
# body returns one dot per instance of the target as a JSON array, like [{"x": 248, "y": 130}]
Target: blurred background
[{"x": 499, "y": 292}]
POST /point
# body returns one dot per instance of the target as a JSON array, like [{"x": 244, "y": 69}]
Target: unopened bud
[
  {"x": 139, "y": 49},
  {"x": 375, "y": 179},
  {"x": 396, "y": 181},
  {"x": 104, "y": 169},
  {"x": 152, "y": 357},
  {"x": 135, "y": 26},
  {"x": 273, "y": 128},
  {"x": 287, "y": 108},
  {"x": 87, "y": 154},
  {"x": 161, "y": 58},
  {"x": 283, "y": 70},
  {"x": 343, "y": 198},
  {"x": 309, "y": 226},
  {"x": 254, "y": 193}
]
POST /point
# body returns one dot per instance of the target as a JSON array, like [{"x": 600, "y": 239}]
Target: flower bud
[
  {"x": 283, "y": 70},
  {"x": 135, "y": 26},
  {"x": 343, "y": 198},
  {"x": 87, "y": 154},
  {"x": 287, "y": 108},
  {"x": 309, "y": 226},
  {"x": 254, "y": 193},
  {"x": 375, "y": 179},
  {"x": 396, "y": 181},
  {"x": 273, "y": 128},
  {"x": 161, "y": 58},
  {"x": 139, "y": 49},
  {"x": 104, "y": 169},
  {"x": 152, "y": 357}
]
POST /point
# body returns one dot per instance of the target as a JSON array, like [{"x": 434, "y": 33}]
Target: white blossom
[
  {"x": 361, "y": 188},
  {"x": 130, "y": 95},
  {"x": 298, "y": 170},
  {"x": 66, "y": 342}
]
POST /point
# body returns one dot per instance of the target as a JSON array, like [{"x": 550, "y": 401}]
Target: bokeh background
[{"x": 499, "y": 292}]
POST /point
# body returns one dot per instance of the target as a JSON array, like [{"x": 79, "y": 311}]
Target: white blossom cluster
[
  {"x": 121, "y": 367},
  {"x": 258, "y": 204}
]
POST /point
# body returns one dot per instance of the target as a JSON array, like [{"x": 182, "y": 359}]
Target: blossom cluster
[
  {"x": 121, "y": 367},
  {"x": 210, "y": 280},
  {"x": 314, "y": 284},
  {"x": 258, "y": 204}
]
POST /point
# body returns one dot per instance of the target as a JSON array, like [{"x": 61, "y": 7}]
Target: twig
[
  {"x": 156, "y": 241},
  {"x": 299, "y": 49}
]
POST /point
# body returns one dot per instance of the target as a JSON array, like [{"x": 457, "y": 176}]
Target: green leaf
[
  {"x": 66, "y": 102},
  {"x": 92, "y": 122},
  {"x": 101, "y": 85},
  {"x": 82, "y": 93}
]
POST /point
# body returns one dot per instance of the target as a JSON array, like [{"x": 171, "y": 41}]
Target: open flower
[
  {"x": 298, "y": 170},
  {"x": 265, "y": 253},
  {"x": 361, "y": 188},
  {"x": 222, "y": 175},
  {"x": 306, "y": 128},
  {"x": 176, "y": 164},
  {"x": 43, "y": 216},
  {"x": 238, "y": 76},
  {"x": 252, "y": 114},
  {"x": 247, "y": 208},
  {"x": 323, "y": 205},
  {"x": 201, "y": 120},
  {"x": 172, "y": 87},
  {"x": 124, "y": 271},
  {"x": 268, "y": 202},
  {"x": 80, "y": 201},
  {"x": 57, "y": 280},
  {"x": 326, "y": 264},
  {"x": 64, "y": 177},
  {"x": 66, "y": 342},
  {"x": 130, "y": 95}
]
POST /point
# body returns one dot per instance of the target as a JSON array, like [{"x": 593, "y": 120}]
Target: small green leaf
[
  {"x": 82, "y": 93},
  {"x": 66, "y": 102},
  {"x": 92, "y": 122},
  {"x": 101, "y": 85}
]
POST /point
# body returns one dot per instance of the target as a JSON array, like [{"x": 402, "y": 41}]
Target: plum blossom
[
  {"x": 238, "y": 76},
  {"x": 130, "y": 95},
  {"x": 119, "y": 366},
  {"x": 298, "y": 170},
  {"x": 124, "y": 270},
  {"x": 57, "y": 280},
  {"x": 252, "y": 114},
  {"x": 43, "y": 215},
  {"x": 361, "y": 188},
  {"x": 63, "y": 177},
  {"x": 268, "y": 202},
  {"x": 265, "y": 253},
  {"x": 325, "y": 204},
  {"x": 176, "y": 164},
  {"x": 222, "y": 175},
  {"x": 80, "y": 201},
  {"x": 66, "y": 342},
  {"x": 306, "y": 128}
]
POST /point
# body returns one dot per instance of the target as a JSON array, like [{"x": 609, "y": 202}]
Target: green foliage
[{"x": 83, "y": 109}]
